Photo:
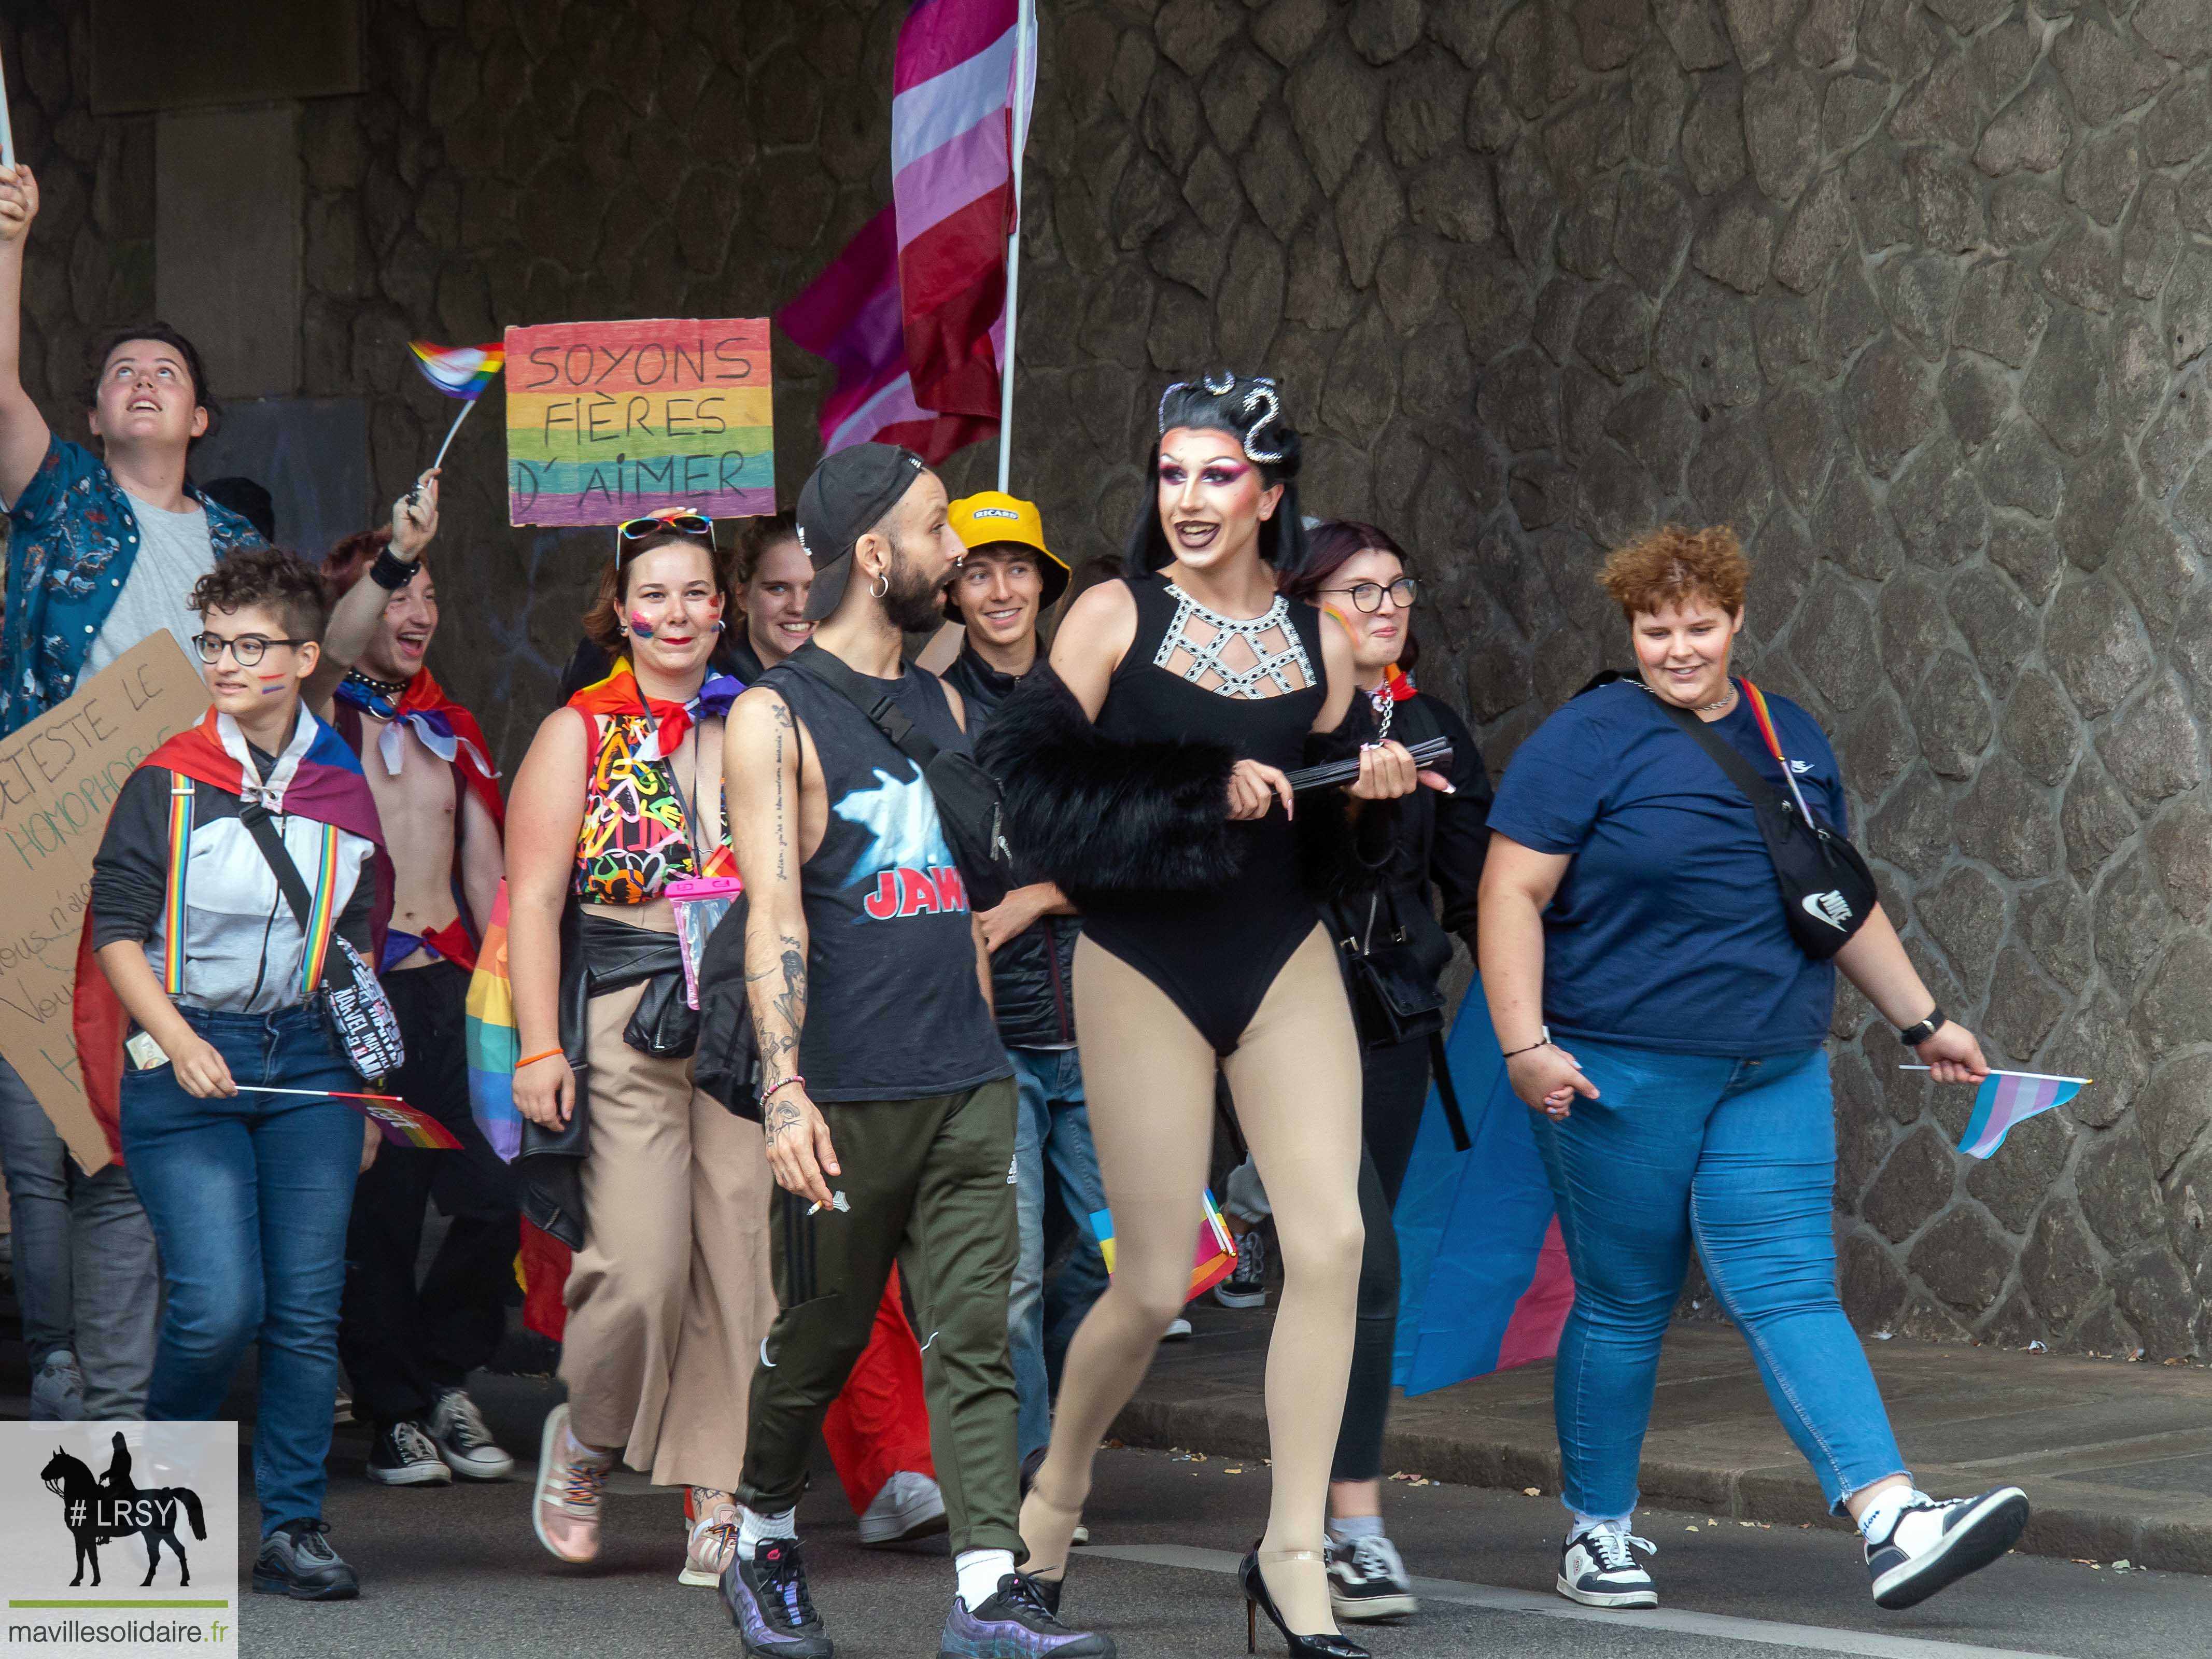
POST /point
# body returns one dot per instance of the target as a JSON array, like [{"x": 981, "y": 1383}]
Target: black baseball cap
[{"x": 846, "y": 497}]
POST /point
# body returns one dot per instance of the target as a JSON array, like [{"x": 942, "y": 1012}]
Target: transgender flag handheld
[
  {"x": 460, "y": 371},
  {"x": 2007, "y": 1098}
]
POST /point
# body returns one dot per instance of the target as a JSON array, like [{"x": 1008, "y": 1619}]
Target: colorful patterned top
[{"x": 633, "y": 841}]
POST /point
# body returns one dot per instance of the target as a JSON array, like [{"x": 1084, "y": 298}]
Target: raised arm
[
  {"x": 760, "y": 762},
  {"x": 354, "y": 617},
  {"x": 23, "y": 431},
  {"x": 543, "y": 816}
]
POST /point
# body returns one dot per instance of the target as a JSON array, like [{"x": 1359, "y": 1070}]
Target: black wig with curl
[{"x": 1251, "y": 409}]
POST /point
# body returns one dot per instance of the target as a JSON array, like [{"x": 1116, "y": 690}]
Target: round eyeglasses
[
  {"x": 1405, "y": 593},
  {"x": 246, "y": 650}
]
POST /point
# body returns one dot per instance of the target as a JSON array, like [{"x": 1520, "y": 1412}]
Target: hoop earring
[{"x": 881, "y": 586}]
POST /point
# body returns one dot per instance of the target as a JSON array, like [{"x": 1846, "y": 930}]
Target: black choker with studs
[{"x": 389, "y": 690}]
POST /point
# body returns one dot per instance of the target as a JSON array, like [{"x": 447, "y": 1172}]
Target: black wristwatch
[{"x": 1914, "y": 1035}]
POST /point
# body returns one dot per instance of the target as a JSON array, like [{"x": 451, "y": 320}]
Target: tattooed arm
[{"x": 760, "y": 761}]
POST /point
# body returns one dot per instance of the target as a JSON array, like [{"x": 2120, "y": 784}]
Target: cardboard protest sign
[
  {"x": 58, "y": 776},
  {"x": 608, "y": 420}
]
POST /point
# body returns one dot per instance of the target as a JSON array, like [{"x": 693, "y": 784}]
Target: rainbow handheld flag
[
  {"x": 1212, "y": 1259},
  {"x": 493, "y": 1042},
  {"x": 2007, "y": 1099},
  {"x": 403, "y": 1125},
  {"x": 460, "y": 371}
]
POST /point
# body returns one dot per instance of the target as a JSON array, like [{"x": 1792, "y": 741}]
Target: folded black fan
[{"x": 1429, "y": 756}]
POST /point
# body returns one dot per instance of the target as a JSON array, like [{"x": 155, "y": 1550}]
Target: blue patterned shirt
[{"x": 72, "y": 539}]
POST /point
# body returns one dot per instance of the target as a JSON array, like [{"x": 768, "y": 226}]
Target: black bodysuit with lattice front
[{"x": 1255, "y": 686}]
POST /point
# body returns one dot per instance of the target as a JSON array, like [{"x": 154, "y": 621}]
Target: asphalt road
[{"x": 456, "y": 1570}]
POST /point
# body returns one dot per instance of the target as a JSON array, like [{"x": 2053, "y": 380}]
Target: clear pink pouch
[{"x": 700, "y": 904}]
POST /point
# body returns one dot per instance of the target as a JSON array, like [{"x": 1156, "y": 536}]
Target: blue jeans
[
  {"x": 1051, "y": 1126},
  {"x": 249, "y": 1196},
  {"x": 85, "y": 1270},
  {"x": 1738, "y": 1157}
]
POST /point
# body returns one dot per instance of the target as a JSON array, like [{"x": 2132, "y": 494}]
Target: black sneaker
[
  {"x": 1597, "y": 1568},
  {"x": 1367, "y": 1580},
  {"x": 297, "y": 1561},
  {"x": 1246, "y": 1283},
  {"x": 1017, "y": 1623},
  {"x": 405, "y": 1455},
  {"x": 1929, "y": 1545},
  {"x": 768, "y": 1603}
]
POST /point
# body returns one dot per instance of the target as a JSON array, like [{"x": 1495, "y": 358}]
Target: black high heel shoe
[{"x": 1326, "y": 1644}]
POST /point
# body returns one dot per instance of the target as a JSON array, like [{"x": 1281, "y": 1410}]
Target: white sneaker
[
  {"x": 909, "y": 1506},
  {"x": 1929, "y": 1545},
  {"x": 58, "y": 1390},
  {"x": 1178, "y": 1330},
  {"x": 1368, "y": 1580},
  {"x": 1597, "y": 1569},
  {"x": 457, "y": 1429}
]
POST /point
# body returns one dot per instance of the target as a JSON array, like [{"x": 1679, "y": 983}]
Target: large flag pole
[{"x": 1025, "y": 35}]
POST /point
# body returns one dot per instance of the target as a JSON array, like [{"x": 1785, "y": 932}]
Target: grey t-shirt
[{"x": 174, "y": 553}]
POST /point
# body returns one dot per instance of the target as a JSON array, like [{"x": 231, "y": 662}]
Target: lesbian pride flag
[
  {"x": 1483, "y": 1280},
  {"x": 2009, "y": 1098},
  {"x": 460, "y": 371},
  {"x": 850, "y": 315},
  {"x": 953, "y": 145}
]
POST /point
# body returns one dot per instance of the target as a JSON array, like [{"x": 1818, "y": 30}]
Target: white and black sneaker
[
  {"x": 463, "y": 1441},
  {"x": 1929, "y": 1544},
  {"x": 405, "y": 1455},
  {"x": 1246, "y": 1283},
  {"x": 1598, "y": 1569},
  {"x": 1367, "y": 1580}
]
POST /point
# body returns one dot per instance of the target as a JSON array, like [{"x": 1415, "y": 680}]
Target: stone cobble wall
[{"x": 1917, "y": 295}]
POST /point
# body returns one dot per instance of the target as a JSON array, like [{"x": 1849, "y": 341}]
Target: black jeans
[
  {"x": 402, "y": 1344},
  {"x": 1394, "y": 1089}
]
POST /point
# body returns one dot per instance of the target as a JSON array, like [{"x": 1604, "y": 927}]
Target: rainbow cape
[
  {"x": 1212, "y": 1259},
  {"x": 491, "y": 1040},
  {"x": 460, "y": 371},
  {"x": 1484, "y": 1284},
  {"x": 323, "y": 782}
]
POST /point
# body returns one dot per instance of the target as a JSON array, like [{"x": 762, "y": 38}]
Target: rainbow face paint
[
  {"x": 640, "y": 626},
  {"x": 271, "y": 684}
]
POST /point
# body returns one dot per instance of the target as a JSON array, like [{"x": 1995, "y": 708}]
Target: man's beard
[{"x": 910, "y": 602}]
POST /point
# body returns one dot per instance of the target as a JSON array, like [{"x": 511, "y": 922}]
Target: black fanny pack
[
  {"x": 1827, "y": 891},
  {"x": 968, "y": 805}
]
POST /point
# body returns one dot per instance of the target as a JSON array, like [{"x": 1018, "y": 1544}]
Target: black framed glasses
[
  {"x": 1405, "y": 593},
  {"x": 246, "y": 650}
]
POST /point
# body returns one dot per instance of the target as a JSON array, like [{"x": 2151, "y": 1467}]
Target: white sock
[
  {"x": 754, "y": 1527},
  {"x": 1343, "y": 1529},
  {"x": 979, "y": 1572},
  {"x": 1583, "y": 1523},
  {"x": 1881, "y": 1514}
]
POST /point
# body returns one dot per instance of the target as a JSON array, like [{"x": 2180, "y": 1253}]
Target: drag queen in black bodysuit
[{"x": 1145, "y": 774}]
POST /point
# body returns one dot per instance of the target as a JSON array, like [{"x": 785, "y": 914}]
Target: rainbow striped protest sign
[{"x": 608, "y": 420}]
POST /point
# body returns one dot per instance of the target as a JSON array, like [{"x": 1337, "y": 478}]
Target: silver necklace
[{"x": 1704, "y": 707}]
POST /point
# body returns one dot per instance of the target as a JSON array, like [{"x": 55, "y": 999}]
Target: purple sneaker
[
  {"x": 1015, "y": 1624},
  {"x": 768, "y": 1603}
]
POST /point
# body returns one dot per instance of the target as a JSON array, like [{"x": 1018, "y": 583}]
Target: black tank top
[
  {"x": 1216, "y": 952},
  {"x": 894, "y": 1011}
]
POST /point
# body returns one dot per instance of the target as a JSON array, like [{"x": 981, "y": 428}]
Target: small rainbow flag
[
  {"x": 2009, "y": 1098},
  {"x": 403, "y": 1125},
  {"x": 460, "y": 371},
  {"x": 492, "y": 1040},
  {"x": 1211, "y": 1261}
]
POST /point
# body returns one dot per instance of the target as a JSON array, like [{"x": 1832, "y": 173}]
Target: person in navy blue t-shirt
[{"x": 1629, "y": 909}]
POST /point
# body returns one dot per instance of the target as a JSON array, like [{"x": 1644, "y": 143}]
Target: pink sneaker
[
  {"x": 714, "y": 1541},
  {"x": 570, "y": 1481}
]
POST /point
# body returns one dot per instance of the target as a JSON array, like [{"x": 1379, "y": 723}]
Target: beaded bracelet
[{"x": 787, "y": 1083}]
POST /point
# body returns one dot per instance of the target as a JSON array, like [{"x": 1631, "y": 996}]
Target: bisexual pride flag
[
  {"x": 460, "y": 371},
  {"x": 491, "y": 1039},
  {"x": 2008, "y": 1098},
  {"x": 1483, "y": 1275}
]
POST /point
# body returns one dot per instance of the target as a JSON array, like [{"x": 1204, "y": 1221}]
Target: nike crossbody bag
[{"x": 1827, "y": 891}]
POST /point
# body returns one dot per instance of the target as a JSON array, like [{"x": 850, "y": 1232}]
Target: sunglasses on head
[{"x": 669, "y": 521}]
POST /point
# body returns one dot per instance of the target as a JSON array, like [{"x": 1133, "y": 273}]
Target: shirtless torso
[{"x": 417, "y": 805}]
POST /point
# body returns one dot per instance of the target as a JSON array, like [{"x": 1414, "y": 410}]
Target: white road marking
[{"x": 1814, "y": 1637}]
